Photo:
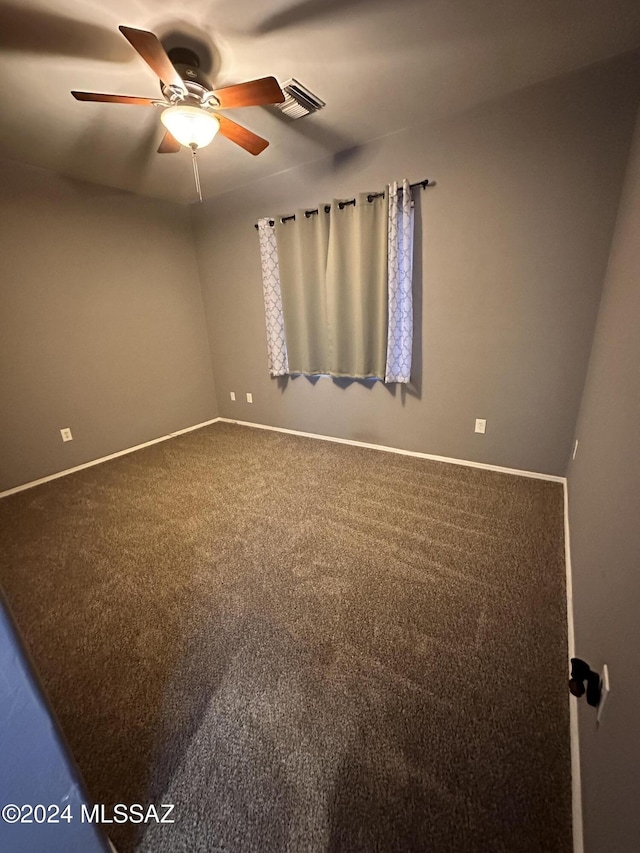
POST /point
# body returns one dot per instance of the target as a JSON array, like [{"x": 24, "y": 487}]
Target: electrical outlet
[
  {"x": 249, "y": 398},
  {"x": 66, "y": 434},
  {"x": 575, "y": 449},
  {"x": 232, "y": 394},
  {"x": 481, "y": 425}
]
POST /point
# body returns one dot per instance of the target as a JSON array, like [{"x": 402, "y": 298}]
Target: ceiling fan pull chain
[{"x": 196, "y": 174}]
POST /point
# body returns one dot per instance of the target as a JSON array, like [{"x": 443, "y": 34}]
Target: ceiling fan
[{"x": 191, "y": 104}]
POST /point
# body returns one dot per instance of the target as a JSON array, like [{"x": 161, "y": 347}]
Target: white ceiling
[{"x": 380, "y": 66}]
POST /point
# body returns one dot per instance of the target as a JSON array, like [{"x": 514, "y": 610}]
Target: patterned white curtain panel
[
  {"x": 274, "y": 317},
  {"x": 400, "y": 296}
]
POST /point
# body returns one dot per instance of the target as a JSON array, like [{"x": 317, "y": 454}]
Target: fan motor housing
[{"x": 187, "y": 64}]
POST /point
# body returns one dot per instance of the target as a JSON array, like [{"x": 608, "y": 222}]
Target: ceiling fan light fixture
[{"x": 190, "y": 126}]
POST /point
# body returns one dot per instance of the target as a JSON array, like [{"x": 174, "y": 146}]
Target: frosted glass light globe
[{"x": 190, "y": 126}]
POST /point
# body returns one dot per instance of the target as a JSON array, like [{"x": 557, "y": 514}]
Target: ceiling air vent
[{"x": 299, "y": 101}]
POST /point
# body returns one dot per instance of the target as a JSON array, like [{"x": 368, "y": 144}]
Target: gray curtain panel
[
  {"x": 357, "y": 288},
  {"x": 333, "y": 279},
  {"x": 302, "y": 253}
]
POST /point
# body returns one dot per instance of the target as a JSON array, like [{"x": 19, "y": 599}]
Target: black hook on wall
[{"x": 581, "y": 672}]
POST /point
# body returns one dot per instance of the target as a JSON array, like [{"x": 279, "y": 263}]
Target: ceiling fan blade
[
  {"x": 266, "y": 90},
  {"x": 246, "y": 139},
  {"x": 113, "y": 99},
  {"x": 305, "y": 12},
  {"x": 151, "y": 50},
  {"x": 169, "y": 144},
  {"x": 54, "y": 34}
]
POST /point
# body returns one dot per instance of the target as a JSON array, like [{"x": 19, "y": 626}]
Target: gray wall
[
  {"x": 604, "y": 514},
  {"x": 514, "y": 243},
  {"x": 101, "y": 323}
]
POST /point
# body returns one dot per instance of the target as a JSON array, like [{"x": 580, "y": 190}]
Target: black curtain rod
[{"x": 342, "y": 204}]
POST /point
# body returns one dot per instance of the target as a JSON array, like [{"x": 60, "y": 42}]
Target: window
[{"x": 337, "y": 285}]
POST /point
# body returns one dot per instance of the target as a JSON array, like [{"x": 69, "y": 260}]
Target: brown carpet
[{"x": 304, "y": 646}]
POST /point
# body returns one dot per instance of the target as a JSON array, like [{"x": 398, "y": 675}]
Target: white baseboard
[
  {"x": 576, "y": 783},
  {"x": 103, "y": 459},
  {"x": 485, "y": 466},
  {"x": 385, "y": 448}
]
